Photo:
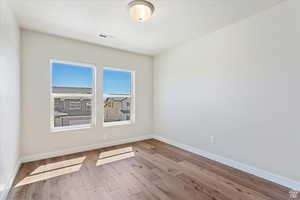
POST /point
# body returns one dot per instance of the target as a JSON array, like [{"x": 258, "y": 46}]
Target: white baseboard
[
  {"x": 10, "y": 182},
  {"x": 82, "y": 148},
  {"x": 295, "y": 185}
]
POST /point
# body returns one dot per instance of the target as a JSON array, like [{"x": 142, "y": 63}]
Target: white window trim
[
  {"x": 132, "y": 96},
  {"x": 91, "y": 96}
]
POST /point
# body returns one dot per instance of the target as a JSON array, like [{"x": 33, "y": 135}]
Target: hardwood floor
[{"x": 147, "y": 170}]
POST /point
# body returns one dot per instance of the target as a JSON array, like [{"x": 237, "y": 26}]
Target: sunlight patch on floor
[
  {"x": 115, "y": 155},
  {"x": 48, "y": 175},
  {"x": 115, "y": 152},
  {"x": 57, "y": 165},
  {"x": 52, "y": 170},
  {"x": 115, "y": 158}
]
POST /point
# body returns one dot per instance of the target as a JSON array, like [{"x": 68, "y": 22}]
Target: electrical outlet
[{"x": 212, "y": 139}]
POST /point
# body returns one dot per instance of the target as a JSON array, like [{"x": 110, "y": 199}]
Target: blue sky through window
[
  {"x": 68, "y": 75},
  {"x": 116, "y": 82}
]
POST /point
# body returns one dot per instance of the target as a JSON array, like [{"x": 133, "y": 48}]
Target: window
[
  {"x": 118, "y": 97},
  {"x": 72, "y": 95}
]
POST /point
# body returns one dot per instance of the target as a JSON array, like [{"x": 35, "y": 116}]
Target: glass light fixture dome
[{"x": 140, "y": 10}]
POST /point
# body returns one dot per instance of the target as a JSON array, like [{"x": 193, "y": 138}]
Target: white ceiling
[{"x": 173, "y": 22}]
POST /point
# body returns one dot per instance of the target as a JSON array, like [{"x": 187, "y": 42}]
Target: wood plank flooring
[{"x": 147, "y": 170}]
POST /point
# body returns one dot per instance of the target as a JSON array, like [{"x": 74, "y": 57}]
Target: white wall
[
  {"x": 240, "y": 85},
  {"x": 37, "y": 49},
  {"x": 9, "y": 97}
]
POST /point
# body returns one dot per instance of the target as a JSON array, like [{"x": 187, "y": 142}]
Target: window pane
[
  {"x": 67, "y": 78},
  {"x": 116, "y": 82},
  {"x": 70, "y": 111},
  {"x": 116, "y": 109}
]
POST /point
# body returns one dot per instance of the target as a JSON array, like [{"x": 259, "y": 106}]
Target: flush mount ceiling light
[{"x": 140, "y": 10}]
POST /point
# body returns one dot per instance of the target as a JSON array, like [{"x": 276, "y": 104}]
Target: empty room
[{"x": 149, "y": 99}]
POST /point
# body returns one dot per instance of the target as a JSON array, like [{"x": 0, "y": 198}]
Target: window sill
[
  {"x": 71, "y": 128},
  {"x": 118, "y": 123}
]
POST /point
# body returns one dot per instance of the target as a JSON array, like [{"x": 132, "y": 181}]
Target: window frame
[
  {"x": 132, "y": 96},
  {"x": 92, "y": 96}
]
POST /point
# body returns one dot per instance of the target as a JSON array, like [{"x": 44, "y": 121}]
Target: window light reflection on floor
[
  {"x": 115, "y": 155},
  {"x": 52, "y": 170},
  {"x": 57, "y": 165},
  {"x": 115, "y": 152}
]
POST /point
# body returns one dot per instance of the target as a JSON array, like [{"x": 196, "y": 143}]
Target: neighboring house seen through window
[
  {"x": 118, "y": 96},
  {"x": 72, "y": 95}
]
